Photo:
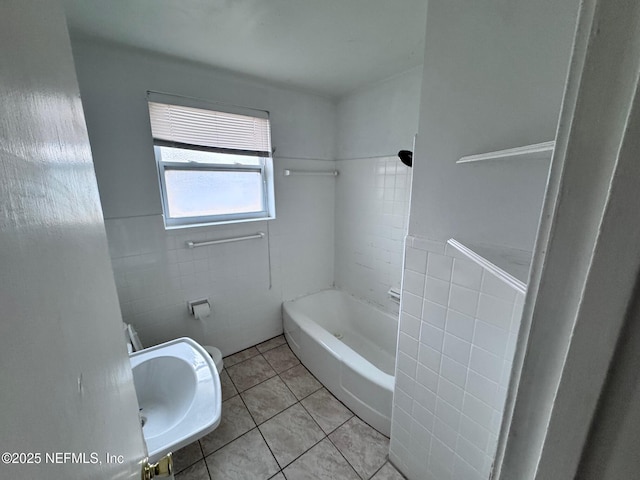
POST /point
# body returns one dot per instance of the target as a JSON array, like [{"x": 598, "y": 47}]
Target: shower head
[{"x": 406, "y": 157}]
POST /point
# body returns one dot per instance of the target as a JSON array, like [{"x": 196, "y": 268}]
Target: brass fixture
[{"x": 161, "y": 469}]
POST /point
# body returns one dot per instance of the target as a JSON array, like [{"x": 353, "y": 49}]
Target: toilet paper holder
[{"x": 193, "y": 303}]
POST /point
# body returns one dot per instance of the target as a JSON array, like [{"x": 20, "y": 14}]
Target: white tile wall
[
  {"x": 156, "y": 275},
  {"x": 372, "y": 205},
  {"x": 459, "y": 332}
]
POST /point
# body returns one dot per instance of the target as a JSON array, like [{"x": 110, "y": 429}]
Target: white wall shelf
[
  {"x": 538, "y": 151},
  {"x": 509, "y": 264}
]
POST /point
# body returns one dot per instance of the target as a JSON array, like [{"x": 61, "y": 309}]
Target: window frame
[
  {"x": 177, "y": 222},
  {"x": 264, "y": 168}
]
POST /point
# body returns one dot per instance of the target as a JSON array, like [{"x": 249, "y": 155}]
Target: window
[{"x": 214, "y": 166}]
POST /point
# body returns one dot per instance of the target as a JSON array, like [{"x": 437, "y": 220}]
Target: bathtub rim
[
  {"x": 338, "y": 349},
  {"x": 340, "y": 364}
]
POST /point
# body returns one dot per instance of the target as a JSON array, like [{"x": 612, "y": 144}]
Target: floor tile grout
[
  {"x": 256, "y": 347},
  {"x": 282, "y": 468},
  {"x": 381, "y": 467},
  {"x": 342, "y": 454},
  {"x": 298, "y": 401},
  {"x": 193, "y": 463},
  {"x": 279, "y": 374},
  {"x": 253, "y": 418},
  {"x": 263, "y": 439},
  {"x": 206, "y": 465},
  {"x": 313, "y": 418},
  {"x": 269, "y": 447}
]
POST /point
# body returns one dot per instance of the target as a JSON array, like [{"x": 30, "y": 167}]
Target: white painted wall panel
[
  {"x": 155, "y": 274},
  {"x": 379, "y": 119},
  {"x": 65, "y": 378},
  {"x": 113, "y": 83},
  {"x": 493, "y": 78}
]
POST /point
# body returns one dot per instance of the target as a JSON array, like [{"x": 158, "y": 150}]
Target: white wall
[
  {"x": 155, "y": 273},
  {"x": 372, "y": 190},
  {"x": 113, "y": 85},
  {"x": 381, "y": 118},
  {"x": 493, "y": 78},
  {"x": 66, "y": 379},
  {"x": 575, "y": 374},
  {"x": 494, "y": 73},
  {"x": 612, "y": 449}
]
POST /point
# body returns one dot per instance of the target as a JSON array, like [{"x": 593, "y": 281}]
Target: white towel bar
[
  {"x": 318, "y": 173},
  {"x": 224, "y": 240}
]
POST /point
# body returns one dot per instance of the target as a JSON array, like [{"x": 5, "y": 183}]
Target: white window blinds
[{"x": 223, "y": 131}]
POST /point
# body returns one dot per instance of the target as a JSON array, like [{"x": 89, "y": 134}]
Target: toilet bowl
[
  {"x": 134, "y": 345},
  {"x": 216, "y": 356}
]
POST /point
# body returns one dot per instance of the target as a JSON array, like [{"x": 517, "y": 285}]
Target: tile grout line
[
  {"x": 249, "y": 411},
  {"x": 298, "y": 401},
  {"x": 281, "y": 468},
  {"x": 276, "y": 374},
  {"x": 262, "y": 436},
  {"x": 191, "y": 464},
  {"x": 316, "y": 422},
  {"x": 253, "y": 386},
  {"x": 296, "y": 458},
  {"x": 268, "y": 363},
  {"x": 204, "y": 459},
  {"x": 353, "y": 415},
  {"x": 295, "y": 366},
  {"x": 378, "y": 470},
  {"x": 342, "y": 454},
  {"x": 259, "y": 383},
  {"x": 256, "y": 347},
  {"x": 237, "y": 438},
  {"x": 332, "y": 431},
  {"x": 326, "y": 435}
]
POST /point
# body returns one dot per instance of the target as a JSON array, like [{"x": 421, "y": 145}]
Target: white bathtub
[{"x": 350, "y": 347}]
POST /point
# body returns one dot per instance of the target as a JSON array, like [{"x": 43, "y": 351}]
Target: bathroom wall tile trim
[{"x": 458, "y": 327}]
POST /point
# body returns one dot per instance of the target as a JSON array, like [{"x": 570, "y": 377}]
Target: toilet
[{"x": 134, "y": 344}]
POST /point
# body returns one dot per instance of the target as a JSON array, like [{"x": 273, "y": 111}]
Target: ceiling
[{"x": 330, "y": 47}]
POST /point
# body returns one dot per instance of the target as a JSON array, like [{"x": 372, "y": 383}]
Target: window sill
[{"x": 213, "y": 224}]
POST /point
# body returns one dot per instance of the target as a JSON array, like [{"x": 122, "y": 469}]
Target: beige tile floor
[{"x": 280, "y": 423}]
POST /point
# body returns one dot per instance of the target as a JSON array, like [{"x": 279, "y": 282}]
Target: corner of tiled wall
[
  {"x": 458, "y": 328},
  {"x": 372, "y": 205}
]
